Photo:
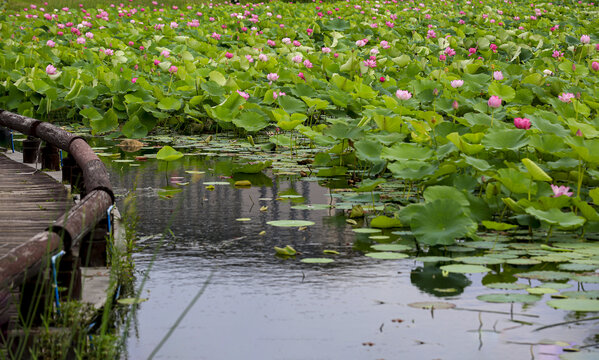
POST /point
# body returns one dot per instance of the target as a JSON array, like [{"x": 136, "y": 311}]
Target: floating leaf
[
  {"x": 523, "y": 261},
  {"x": 330, "y": 252},
  {"x": 366, "y": 230},
  {"x": 509, "y": 298},
  {"x": 427, "y": 305},
  {"x": 589, "y": 294},
  {"x": 387, "y": 255},
  {"x": 465, "y": 269},
  {"x": 575, "y": 304},
  {"x": 290, "y": 223},
  {"x": 546, "y": 275},
  {"x": 541, "y": 290},
  {"x": 440, "y": 222},
  {"x": 507, "y": 286},
  {"x": 317, "y": 260},
  {"x": 480, "y": 260},
  {"x": 391, "y": 247},
  {"x": 286, "y": 251},
  {"x": 131, "y": 301},
  {"x": 432, "y": 259},
  {"x": 384, "y": 222},
  {"x": 492, "y": 225}
]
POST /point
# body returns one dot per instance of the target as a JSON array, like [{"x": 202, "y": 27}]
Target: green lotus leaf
[
  {"x": 504, "y": 139},
  {"x": 385, "y": 222},
  {"x": 582, "y": 305},
  {"x": 556, "y": 217},
  {"x": 290, "y": 223},
  {"x": 317, "y": 260},
  {"x": 167, "y": 153},
  {"x": 387, "y": 255},
  {"x": 440, "y": 222},
  {"x": 509, "y": 298},
  {"x": 465, "y": 268}
]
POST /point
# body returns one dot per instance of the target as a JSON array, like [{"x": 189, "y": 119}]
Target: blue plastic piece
[
  {"x": 12, "y": 142},
  {"x": 54, "y": 278},
  {"x": 109, "y": 219}
]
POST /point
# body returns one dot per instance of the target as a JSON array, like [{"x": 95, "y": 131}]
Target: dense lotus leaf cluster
[{"x": 490, "y": 106}]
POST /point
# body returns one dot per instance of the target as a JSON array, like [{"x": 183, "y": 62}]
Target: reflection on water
[{"x": 259, "y": 306}]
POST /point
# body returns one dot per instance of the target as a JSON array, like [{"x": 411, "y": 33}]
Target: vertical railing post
[{"x": 50, "y": 157}]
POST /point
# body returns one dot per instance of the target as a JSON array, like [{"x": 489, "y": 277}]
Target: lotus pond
[
  {"x": 451, "y": 143},
  {"x": 352, "y": 290}
]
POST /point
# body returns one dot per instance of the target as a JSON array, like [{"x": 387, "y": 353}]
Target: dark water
[{"x": 258, "y": 306}]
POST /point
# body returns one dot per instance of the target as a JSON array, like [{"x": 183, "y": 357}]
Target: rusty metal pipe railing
[{"x": 81, "y": 218}]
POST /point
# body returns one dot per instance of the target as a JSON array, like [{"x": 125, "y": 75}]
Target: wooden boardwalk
[{"x": 30, "y": 201}]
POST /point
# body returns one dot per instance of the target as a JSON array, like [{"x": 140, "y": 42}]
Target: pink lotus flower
[
  {"x": 301, "y": 76},
  {"x": 326, "y": 50},
  {"x": 455, "y": 105},
  {"x": 80, "y": 40},
  {"x": 457, "y": 83},
  {"x": 297, "y": 59},
  {"x": 449, "y": 51},
  {"x": 296, "y": 43},
  {"x": 243, "y": 94},
  {"x": 498, "y": 75},
  {"x": 165, "y": 53},
  {"x": 382, "y": 79},
  {"x": 494, "y": 101},
  {"x": 556, "y": 54},
  {"x": 585, "y": 39},
  {"x": 360, "y": 43},
  {"x": 272, "y": 77},
  {"x": 156, "y": 61},
  {"x": 271, "y": 43},
  {"x": 228, "y": 55},
  {"x": 561, "y": 190},
  {"x": 308, "y": 64},
  {"x": 50, "y": 70},
  {"x": 216, "y": 36},
  {"x": 566, "y": 97},
  {"x": 262, "y": 57},
  {"x": 50, "y": 43},
  {"x": 109, "y": 52},
  {"x": 385, "y": 44},
  {"x": 403, "y": 94},
  {"x": 173, "y": 69},
  {"x": 370, "y": 63},
  {"x": 134, "y": 80},
  {"x": 522, "y": 123},
  {"x": 595, "y": 66}
]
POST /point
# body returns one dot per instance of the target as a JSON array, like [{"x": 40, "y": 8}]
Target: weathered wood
[
  {"x": 31, "y": 147},
  {"x": 82, "y": 219},
  {"x": 27, "y": 258},
  {"x": 95, "y": 174},
  {"x": 50, "y": 157},
  {"x": 20, "y": 123},
  {"x": 55, "y": 135}
]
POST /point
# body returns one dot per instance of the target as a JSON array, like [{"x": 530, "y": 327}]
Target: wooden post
[
  {"x": 69, "y": 277},
  {"x": 50, "y": 157},
  {"x": 30, "y": 149},
  {"x": 72, "y": 173},
  {"x": 93, "y": 247}
]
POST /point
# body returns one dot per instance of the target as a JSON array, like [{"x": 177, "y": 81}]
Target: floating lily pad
[
  {"x": 507, "y": 286},
  {"x": 131, "y": 301},
  {"x": 123, "y": 161},
  {"x": 317, "y": 260},
  {"x": 216, "y": 183},
  {"x": 167, "y": 153},
  {"x": 286, "y": 251},
  {"x": 311, "y": 207},
  {"x": 432, "y": 259},
  {"x": 243, "y": 219},
  {"x": 391, "y": 247},
  {"x": 195, "y": 172},
  {"x": 556, "y": 286},
  {"x": 591, "y": 279},
  {"x": 387, "y": 255},
  {"x": 384, "y": 222},
  {"x": 590, "y": 294},
  {"x": 509, "y": 298},
  {"x": 366, "y": 230},
  {"x": 577, "y": 267},
  {"x": 379, "y": 237},
  {"x": 546, "y": 275},
  {"x": 290, "y": 223},
  {"x": 541, "y": 290},
  {"x": 437, "y": 305},
  {"x": 575, "y": 304},
  {"x": 587, "y": 355},
  {"x": 465, "y": 269},
  {"x": 480, "y": 260},
  {"x": 522, "y": 261}
]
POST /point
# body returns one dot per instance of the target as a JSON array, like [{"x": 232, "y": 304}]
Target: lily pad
[
  {"x": 522, "y": 261},
  {"x": 432, "y": 259},
  {"x": 317, "y": 260},
  {"x": 286, "y": 251},
  {"x": 387, "y": 255},
  {"x": 541, "y": 290},
  {"x": 391, "y": 247},
  {"x": 509, "y": 298},
  {"x": 507, "y": 286},
  {"x": 311, "y": 207},
  {"x": 427, "y": 305},
  {"x": 366, "y": 230},
  {"x": 590, "y": 294},
  {"x": 480, "y": 260},
  {"x": 290, "y": 223},
  {"x": 131, "y": 301},
  {"x": 465, "y": 269},
  {"x": 575, "y": 304},
  {"x": 546, "y": 275}
]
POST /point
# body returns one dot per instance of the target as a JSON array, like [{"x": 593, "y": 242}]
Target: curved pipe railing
[{"x": 79, "y": 220}]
